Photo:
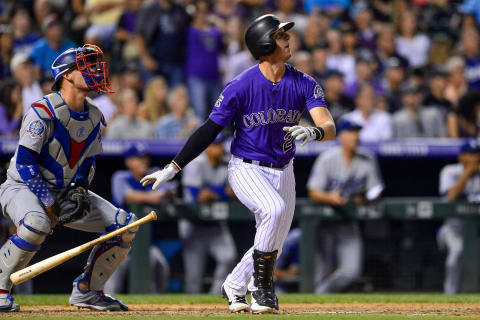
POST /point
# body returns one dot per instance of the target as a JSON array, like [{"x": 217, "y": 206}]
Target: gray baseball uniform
[
  {"x": 339, "y": 258},
  {"x": 200, "y": 239}
]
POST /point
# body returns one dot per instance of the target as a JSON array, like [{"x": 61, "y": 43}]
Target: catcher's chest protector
[{"x": 74, "y": 135}]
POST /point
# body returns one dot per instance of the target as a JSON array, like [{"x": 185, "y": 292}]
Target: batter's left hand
[
  {"x": 306, "y": 134},
  {"x": 159, "y": 177}
]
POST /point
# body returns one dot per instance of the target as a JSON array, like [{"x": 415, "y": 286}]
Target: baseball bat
[{"x": 49, "y": 263}]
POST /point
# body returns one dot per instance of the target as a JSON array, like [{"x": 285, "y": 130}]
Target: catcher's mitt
[{"x": 75, "y": 204}]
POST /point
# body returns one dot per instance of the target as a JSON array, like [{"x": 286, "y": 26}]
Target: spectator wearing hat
[
  {"x": 128, "y": 124},
  {"x": 416, "y": 121},
  {"x": 24, "y": 73},
  {"x": 394, "y": 77},
  {"x": 412, "y": 44},
  {"x": 386, "y": 48},
  {"x": 460, "y": 181},
  {"x": 205, "y": 180},
  {"x": 47, "y": 48},
  {"x": 346, "y": 173},
  {"x": 127, "y": 190},
  {"x": 338, "y": 103},
  {"x": 10, "y": 107},
  {"x": 376, "y": 124}
]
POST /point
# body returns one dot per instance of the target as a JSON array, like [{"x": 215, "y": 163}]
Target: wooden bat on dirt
[{"x": 49, "y": 263}]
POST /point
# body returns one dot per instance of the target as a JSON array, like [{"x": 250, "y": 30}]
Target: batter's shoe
[
  {"x": 95, "y": 300},
  {"x": 7, "y": 304},
  {"x": 264, "y": 301},
  {"x": 236, "y": 303}
]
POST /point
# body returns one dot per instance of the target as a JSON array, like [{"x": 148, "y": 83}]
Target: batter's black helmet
[{"x": 259, "y": 34}]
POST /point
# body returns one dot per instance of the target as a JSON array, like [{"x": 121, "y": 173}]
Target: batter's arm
[{"x": 323, "y": 119}]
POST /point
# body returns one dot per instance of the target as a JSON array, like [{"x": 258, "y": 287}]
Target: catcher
[{"x": 49, "y": 176}]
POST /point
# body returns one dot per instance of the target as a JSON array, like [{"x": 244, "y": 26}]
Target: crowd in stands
[{"x": 400, "y": 68}]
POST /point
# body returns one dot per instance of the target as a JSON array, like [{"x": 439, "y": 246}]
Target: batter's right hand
[{"x": 159, "y": 177}]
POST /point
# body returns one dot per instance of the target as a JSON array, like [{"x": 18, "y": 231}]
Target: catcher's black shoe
[{"x": 264, "y": 301}]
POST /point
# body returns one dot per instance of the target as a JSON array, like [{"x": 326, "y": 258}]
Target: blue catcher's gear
[{"x": 89, "y": 61}]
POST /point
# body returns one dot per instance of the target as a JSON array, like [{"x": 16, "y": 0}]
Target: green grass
[{"x": 61, "y": 299}]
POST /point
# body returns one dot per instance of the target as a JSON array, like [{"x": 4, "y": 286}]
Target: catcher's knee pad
[
  {"x": 123, "y": 218},
  {"x": 17, "y": 252}
]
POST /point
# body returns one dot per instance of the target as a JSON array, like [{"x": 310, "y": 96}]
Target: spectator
[
  {"x": 127, "y": 190},
  {"x": 204, "y": 44},
  {"x": 46, "y": 49},
  {"x": 364, "y": 75},
  {"x": 303, "y": 61},
  {"x": 287, "y": 12},
  {"x": 457, "y": 83},
  {"x": 180, "y": 122},
  {"x": 205, "y": 180},
  {"x": 6, "y": 50},
  {"x": 131, "y": 78},
  {"x": 24, "y": 73},
  {"x": 10, "y": 107},
  {"x": 386, "y": 48},
  {"x": 127, "y": 125},
  {"x": 469, "y": 115},
  {"x": 349, "y": 39},
  {"x": 23, "y": 37},
  {"x": 317, "y": 28},
  {"x": 125, "y": 31},
  {"x": 411, "y": 44},
  {"x": 414, "y": 120},
  {"x": 156, "y": 99},
  {"x": 108, "y": 103},
  {"x": 103, "y": 16},
  {"x": 376, "y": 124},
  {"x": 337, "y": 59},
  {"x": 458, "y": 181},
  {"x": 339, "y": 175},
  {"x": 161, "y": 29},
  {"x": 363, "y": 21},
  {"x": 319, "y": 61},
  {"x": 338, "y": 103},
  {"x": 394, "y": 77},
  {"x": 471, "y": 51}
]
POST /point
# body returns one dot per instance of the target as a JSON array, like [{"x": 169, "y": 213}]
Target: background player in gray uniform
[
  {"x": 48, "y": 180},
  {"x": 205, "y": 180},
  {"x": 458, "y": 181},
  {"x": 265, "y": 104},
  {"x": 341, "y": 174}
]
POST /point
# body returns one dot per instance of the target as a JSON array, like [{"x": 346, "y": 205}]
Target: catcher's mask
[{"x": 89, "y": 61}]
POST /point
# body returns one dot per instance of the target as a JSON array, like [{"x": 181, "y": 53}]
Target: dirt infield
[{"x": 409, "y": 309}]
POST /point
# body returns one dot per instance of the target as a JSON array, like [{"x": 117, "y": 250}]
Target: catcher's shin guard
[
  {"x": 105, "y": 258},
  {"x": 264, "y": 299},
  {"x": 17, "y": 252}
]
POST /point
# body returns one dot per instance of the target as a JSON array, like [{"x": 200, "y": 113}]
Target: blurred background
[{"x": 404, "y": 74}]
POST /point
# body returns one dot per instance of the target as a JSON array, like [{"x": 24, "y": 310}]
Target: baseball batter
[
  {"x": 265, "y": 104},
  {"x": 49, "y": 176}
]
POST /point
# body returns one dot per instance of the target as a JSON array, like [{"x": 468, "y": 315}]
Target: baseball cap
[
  {"x": 393, "y": 62},
  {"x": 470, "y": 146},
  {"x": 348, "y": 125},
  {"x": 18, "y": 59},
  {"x": 333, "y": 73},
  {"x": 410, "y": 89},
  {"x": 135, "y": 151}
]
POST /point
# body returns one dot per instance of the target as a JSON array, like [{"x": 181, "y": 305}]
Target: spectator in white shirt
[
  {"x": 411, "y": 44},
  {"x": 23, "y": 71},
  {"x": 376, "y": 124}
]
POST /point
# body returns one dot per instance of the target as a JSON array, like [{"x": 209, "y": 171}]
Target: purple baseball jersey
[{"x": 261, "y": 109}]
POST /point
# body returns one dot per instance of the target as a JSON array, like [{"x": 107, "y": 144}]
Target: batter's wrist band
[
  {"x": 319, "y": 133},
  {"x": 176, "y": 166}
]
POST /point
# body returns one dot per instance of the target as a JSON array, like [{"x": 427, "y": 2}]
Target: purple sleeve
[
  {"x": 314, "y": 96},
  {"x": 226, "y": 106},
  {"x": 7, "y": 126}
]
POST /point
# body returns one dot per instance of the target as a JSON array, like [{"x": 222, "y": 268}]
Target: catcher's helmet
[
  {"x": 89, "y": 61},
  {"x": 259, "y": 34}
]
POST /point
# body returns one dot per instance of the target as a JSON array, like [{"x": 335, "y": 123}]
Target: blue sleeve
[
  {"x": 193, "y": 192},
  {"x": 82, "y": 175},
  {"x": 220, "y": 190},
  {"x": 30, "y": 173}
]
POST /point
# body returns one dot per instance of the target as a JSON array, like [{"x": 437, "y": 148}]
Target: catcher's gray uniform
[
  {"x": 450, "y": 234},
  {"x": 201, "y": 239},
  {"x": 339, "y": 258},
  {"x": 57, "y": 146}
]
